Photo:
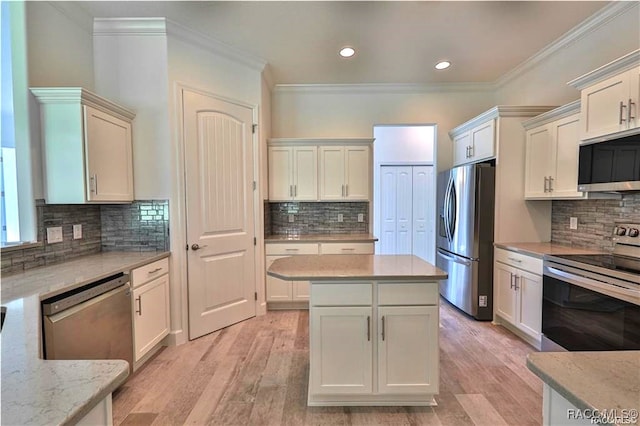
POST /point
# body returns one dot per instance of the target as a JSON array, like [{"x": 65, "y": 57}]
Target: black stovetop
[{"x": 607, "y": 261}]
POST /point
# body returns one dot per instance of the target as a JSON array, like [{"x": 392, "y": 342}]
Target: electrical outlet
[
  {"x": 54, "y": 235},
  {"x": 291, "y": 218},
  {"x": 573, "y": 223},
  {"x": 482, "y": 301},
  {"x": 360, "y": 217},
  {"x": 340, "y": 217},
  {"x": 77, "y": 232}
]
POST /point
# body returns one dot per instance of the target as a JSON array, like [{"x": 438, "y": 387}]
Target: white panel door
[
  {"x": 388, "y": 221},
  {"x": 341, "y": 350},
  {"x": 483, "y": 141},
  {"x": 404, "y": 210},
  {"x": 305, "y": 173},
  {"x": 567, "y": 142},
  {"x": 331, "y": 173},
  {"x": 408, "y": 349},
  {"x": 109, "y": 157},
  {"x": 219, "y": 159},
  {"x": 280, "y": 173},
  {"x": 538, "y": 167},
  {"x": 357, "y": 177},
  {"x": 423, "y": 243},
  {"x": 151, "y": 315}
]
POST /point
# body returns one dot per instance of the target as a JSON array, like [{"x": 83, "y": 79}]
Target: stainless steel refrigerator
[{"x": 466, "y": 197}]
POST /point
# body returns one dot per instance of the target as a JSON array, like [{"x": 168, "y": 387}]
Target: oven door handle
[{"x": 607, "y": 289}]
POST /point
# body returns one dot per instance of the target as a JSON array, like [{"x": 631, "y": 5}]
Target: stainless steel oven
[{"x": 592, "y": 302}]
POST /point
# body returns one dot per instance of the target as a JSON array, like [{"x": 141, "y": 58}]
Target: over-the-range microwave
[{"x": 610, "y": 166}]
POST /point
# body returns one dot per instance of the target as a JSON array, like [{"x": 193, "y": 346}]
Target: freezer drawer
[{"x": 468, "y": 286}]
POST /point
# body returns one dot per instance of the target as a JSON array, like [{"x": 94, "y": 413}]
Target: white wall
[
  {"x": 546, "y": 82},
  {"x": 352, "y": 112}
]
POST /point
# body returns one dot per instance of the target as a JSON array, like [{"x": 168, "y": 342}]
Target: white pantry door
[{"x": 220, "y": 212}]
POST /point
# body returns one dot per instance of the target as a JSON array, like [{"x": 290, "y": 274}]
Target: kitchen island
[{"x": 373, "y": 327}]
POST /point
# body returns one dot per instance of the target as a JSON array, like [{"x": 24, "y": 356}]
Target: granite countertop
[
  {"x": 320, "y": 238},
  {"x": 541, "y": 249},
  {"x": 37, "y": 391},
  {"x": 591, "y": 380},
  {"x": 354, "y": 267}
]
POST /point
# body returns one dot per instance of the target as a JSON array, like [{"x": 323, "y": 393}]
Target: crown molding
[
  {"x": 205, "y": 42},
  {"x": 595, "y": 21},
  {"x": 627, "y": 62},
  {"x": 383, "y": 88},
  {"x": 74, "y": 13},
  {"x": 77, "y": 95},
  {"x": 501, "y": 111},
  {"x": 130, "y": 26},
  {"x": 553, "y": 115}
]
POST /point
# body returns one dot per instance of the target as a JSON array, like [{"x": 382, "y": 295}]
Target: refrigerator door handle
[
  {"x": 454, "y": 259},
  {"x": 453, "y": 209},
  {"x": 446, "y": 211}
]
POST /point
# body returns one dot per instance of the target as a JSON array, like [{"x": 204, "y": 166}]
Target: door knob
[{"x": 196, "y": 247}]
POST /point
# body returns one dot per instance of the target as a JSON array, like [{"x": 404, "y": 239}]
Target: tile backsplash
[
  {"x": 596, "y": 220},
  {"x": 139, "y": 226},
  {"x": 316, "y": 218}
]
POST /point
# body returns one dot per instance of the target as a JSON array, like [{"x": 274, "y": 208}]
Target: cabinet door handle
[
  {"x": 629, "y": 116},
  {"x": 622, "y": 106},
  {"x": 295, "y": 190},
  {"x": 154, "y": 271},
  {"x": 383, "y": 328},
  {"x": 470, "y": 151},
  {"x": 346, "y": 190},
  {"x": 139, "y": 300},
  {"x": 510, "y": 279},
  {"x": 343, "y": 190},
  {"x": 368, "y": 329},
  {"x": 467, "y": 154},
  {"x": 546, "y": 180},
  {"x": 516, "y": 278},
  {"x": 513, "y": 259},
  {"x": 94, "y": 187},
  {"x": 290, "y": 190},
  {"x": 550, "y": 184}
]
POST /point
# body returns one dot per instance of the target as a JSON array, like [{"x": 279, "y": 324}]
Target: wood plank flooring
[{"x": 256, "y": 373}]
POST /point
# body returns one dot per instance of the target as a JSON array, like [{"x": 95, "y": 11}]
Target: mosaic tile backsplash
[
  {"x": 140, "y": 226},
  {"x": 316, "y": 218},
  {"x": 596, "y": 220}
]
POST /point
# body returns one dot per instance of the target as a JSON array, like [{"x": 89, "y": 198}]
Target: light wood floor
[{"x": 255, "y": 373}]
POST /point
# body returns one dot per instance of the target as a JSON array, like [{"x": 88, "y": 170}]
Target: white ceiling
[{"x": 396, "y": 41}]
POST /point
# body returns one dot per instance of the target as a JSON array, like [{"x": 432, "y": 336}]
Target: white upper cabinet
[
  {"x": 474, "y": 144},
  {"x": 87, "y": 147},
  {"x": 610, "y": 97},
  {"x": 320, "y": 169},
  {"x": 551, "y": 162},
  {"x": 293, "y": 173}
]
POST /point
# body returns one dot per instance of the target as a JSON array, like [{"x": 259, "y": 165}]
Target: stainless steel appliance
[
  {"x": 610, "y": 166},
  {"x": 465, "y": 237},
  {"x": 592, "y": 302},
  {"x": 90, "y": 322}
]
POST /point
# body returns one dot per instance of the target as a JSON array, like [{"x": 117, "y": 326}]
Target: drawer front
[
  {"x": 408, "y": 293},
  {"x": 342, "y": 294},
  {"x": 519, "y": 260},
  {"x": 287, "y": 249},
  {"x": 346, "y": 248},
  {"x": 148, "y": 272}
]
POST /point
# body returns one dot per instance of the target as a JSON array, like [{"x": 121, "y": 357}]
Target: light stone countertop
[
  {"x": 605, "y": 380},
  {"x": 354, "y": 267},
  {"x": 539, "y": 250},
  {"x": 321, "y": 238},
  {"x": 36, "y": 391}
]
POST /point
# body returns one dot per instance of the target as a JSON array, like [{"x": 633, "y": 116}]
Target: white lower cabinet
[
  {"x": 371, "y": 343},
  {"x": 342, "y": 355},
  {"x": 295, "y": 294},
  {"x": 150, "y": 308},
  {"x": 518, "y": 293}
]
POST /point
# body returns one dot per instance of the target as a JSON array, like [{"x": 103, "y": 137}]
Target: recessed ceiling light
[
  {"x": 347, "y": 52},
  {"x": 443, "y": 65}
]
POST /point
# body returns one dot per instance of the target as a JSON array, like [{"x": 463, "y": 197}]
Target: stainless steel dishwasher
[{"x": 90, "y": 322}]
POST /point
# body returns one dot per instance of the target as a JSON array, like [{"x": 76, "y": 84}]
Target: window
[{"x": 17, "y": 207}]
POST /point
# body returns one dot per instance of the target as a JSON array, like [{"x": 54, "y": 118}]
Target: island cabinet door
[
  {"x": 408, "y": 349},
  {"x": 341, "y": 351}
]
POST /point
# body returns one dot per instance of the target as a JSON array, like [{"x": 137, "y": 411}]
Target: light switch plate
[
  {"x": 54, "y": 234},
  {"x": 77, "y": 232},
  {"x": 573, "y": 223},
  {"x": 340, "y": 217}
]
